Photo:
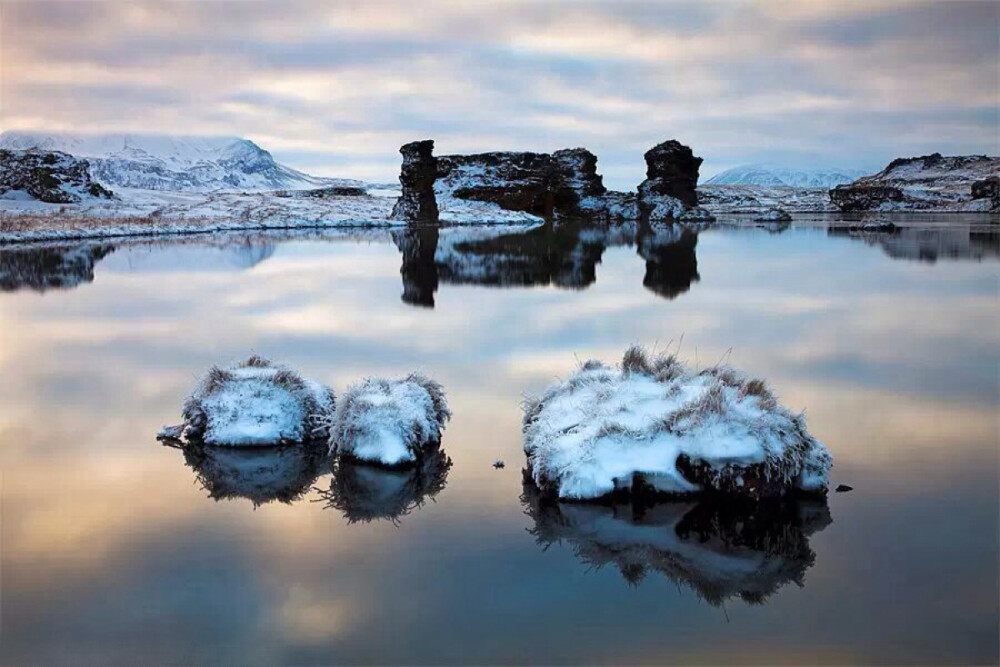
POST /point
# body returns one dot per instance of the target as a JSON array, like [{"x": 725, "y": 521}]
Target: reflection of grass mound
[
  {"x": 369, "y": 493},
  {"x": 389, "y": 422},
  {"x": 722, "y": 550},
  {"x": 256, "y": 403},
  {"x": 259, "y": 474},
  {"x": 656, "y": 424}
]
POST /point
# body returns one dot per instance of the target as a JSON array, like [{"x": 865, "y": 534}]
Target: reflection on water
[
  {"x": 930, "y": 245},
  {"x": 721, "y": 550},
  {"x": 258, "y": 474},
  {"x": 365, "y": 493},
  {"x": 112, "y": 554}
]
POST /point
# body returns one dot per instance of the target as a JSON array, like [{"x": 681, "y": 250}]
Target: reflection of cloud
[
  {"x": 720, "y": 550},
  {"x": 342, "y": 86}
]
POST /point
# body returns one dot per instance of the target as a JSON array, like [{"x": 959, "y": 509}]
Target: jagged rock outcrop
[
  {"x": 417, "y": 176},
  {"x": 539, "y": 183},
  {"x": 929, "y": 182},
  {"x": 48, "y": 176},
  {"x": 669, "y": 192},
  {"x": 988, "y": 188}
]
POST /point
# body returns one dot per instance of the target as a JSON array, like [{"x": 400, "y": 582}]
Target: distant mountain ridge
[
  {"x": 756, "y": 174},
  {"x": 163, "y": 162}
]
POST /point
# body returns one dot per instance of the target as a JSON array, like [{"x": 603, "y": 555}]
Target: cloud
[{"x": 339, "y": 87}]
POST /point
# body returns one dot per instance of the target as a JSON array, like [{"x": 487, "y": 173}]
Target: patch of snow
[
  {"x": 598, "y": 431},
  {"x": 389, "y": 422}
]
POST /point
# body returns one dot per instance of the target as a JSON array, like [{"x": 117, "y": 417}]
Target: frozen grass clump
[
  {"x": 255, "y": 403},
  {"x": 654, "y": 424},
  {"x": 389, "y": 422}
]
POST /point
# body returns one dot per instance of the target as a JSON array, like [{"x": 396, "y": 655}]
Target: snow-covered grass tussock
[
  {"x": 256, "y": 402},
  {"x": 656, "y": 424},
  {"x": 389, "y": 422}
]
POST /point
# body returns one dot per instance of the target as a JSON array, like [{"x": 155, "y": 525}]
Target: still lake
[{"x": 119, "y": 550}]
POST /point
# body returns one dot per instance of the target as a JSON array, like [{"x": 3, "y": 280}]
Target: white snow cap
[
  {"x": 676, "y": 430},
  {"x": 257, "y": 403},
  {"x": 389, "y": 422}
]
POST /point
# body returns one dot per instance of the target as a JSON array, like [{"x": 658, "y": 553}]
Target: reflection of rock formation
[
  {"x": 671, "y": 262},
  {"x": 50, "y": 267},
  {"x": 721, "y": 551},
  {"x": 420, "y": 275},
  {"x": 563, "y": 255},
  {"x": 259, "y": 474},
  {"x": 929, "y": 244},
  {"x": 367, "y": 493}
]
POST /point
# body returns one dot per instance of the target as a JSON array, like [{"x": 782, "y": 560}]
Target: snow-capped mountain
[
  {"x": 756, "y": 174},
  {"x": 160, "y": 162}
]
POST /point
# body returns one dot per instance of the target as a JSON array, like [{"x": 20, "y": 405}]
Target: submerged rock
[
  {"x": 929, "y": 182},
  {"x": 365, "y": 493},
  {"x": 721, "y": 550},
  {"x": 48, "y": 176},
  {"x": 774, "y": 215},
  {"x": 417, "y": 202},
  {"x": 255, "y": 403},
  {"x": 389, "y": 422},
  {"x": 654, "y": 426}
]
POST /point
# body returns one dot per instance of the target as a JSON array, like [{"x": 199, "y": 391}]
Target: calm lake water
[{"x": 119, "y": 550}]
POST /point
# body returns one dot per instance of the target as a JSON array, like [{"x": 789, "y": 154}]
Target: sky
[{"x": 334, "y": 88}]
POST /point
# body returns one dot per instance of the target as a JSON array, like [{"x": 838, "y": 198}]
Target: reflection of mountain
[
  {"x": 50, "y": 267},
  {"x": 367, "y": 493},
  {"x": 931, "y": 244},
  {"x": 564, "y": 255},
  {"x": 671, "y": 263},
  {"x": 720, "y": 550},
  {"x": 259, "y": 474}
]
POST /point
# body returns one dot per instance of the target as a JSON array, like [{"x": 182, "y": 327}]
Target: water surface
[{"x": 116, "y": 549}]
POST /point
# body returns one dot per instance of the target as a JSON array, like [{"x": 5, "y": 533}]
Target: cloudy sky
[{"x": 335, "y": 88}]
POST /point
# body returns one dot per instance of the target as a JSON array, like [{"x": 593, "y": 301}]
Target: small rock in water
[
  {"x": 843, "y": 488},
  {"x": 498, "y": 464}
]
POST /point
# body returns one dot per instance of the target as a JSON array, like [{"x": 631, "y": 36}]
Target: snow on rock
[
  {"x": 657, "y": 424},
  {"x": 255, "y": 403},
  {"x": 757, "y": 199},
  {"x": 721, "y": 550},
  {"x": 47, "y": 176},
  {"x": 365, "y": 493},
  {"x": 417, "y": 202},
  {"x": 929, "y": 182},
  {"x": 389, "y": 422},
  {"x": 669, "y": 192},
  {"x": 776, "y": 214}
]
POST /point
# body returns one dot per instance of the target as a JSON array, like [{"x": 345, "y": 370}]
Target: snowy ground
[
  {"x": 757, "y": 199},
  {"x": 148, "y": 212}
]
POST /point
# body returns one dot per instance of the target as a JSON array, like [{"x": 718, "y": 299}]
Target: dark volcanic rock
[
  {"x": 516, "y": 181},
  {"x": 48, "y": 176},
  {"x": 417, "y": 203},
  {"x": 929, "y": 182},
  {"x": 672, "y": 170},
  {"x": 988, "y": 188}
]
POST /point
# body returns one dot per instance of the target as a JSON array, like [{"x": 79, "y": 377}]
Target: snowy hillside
[
  {"x": 756, "y": 174},
  {"x": 158, "y": 162}
]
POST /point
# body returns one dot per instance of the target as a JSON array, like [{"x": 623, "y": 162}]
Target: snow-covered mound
[
  {"x": 258, "y": 474},
  {"x": 365, "y": 493},
  {"x": 657, "y": 424},
  {"x": 47, "y": 176},
  {"x": 929, "y": 182},
  {"x": 721, "y": 550},
  {"x": 161, "y": 162},
  {"x": 256, "y": 403},
  {"x": 389, "y": 422},
  {"x": 758, "y": 174}
]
